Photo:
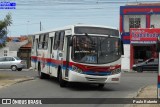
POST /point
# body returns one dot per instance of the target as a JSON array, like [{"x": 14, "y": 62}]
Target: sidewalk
[
  {"x": 146, "y": 92},
  {"x": 7, "y": 79}
]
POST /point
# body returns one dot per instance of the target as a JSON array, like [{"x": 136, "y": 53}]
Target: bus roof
[{"x": 72, "y": 26}]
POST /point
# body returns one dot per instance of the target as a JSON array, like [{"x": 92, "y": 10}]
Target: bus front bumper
[{"x": 77, "y": 77}]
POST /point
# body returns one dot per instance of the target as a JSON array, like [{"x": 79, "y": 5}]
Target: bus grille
[
  {"x": 97, "y": 73},
  {"x": 96, "y": 79}
]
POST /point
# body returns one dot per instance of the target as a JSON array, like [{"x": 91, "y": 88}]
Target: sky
[{"x": 52, "y": 14}]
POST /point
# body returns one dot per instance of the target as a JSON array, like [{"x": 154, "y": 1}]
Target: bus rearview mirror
[
  {"x": 122, "y": 48},
  {"x": 70, "y": 41},
  {"x": 157, "y": 46}
]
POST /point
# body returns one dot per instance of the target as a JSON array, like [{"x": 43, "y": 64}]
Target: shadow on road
[{"x": 80, "y": 86}]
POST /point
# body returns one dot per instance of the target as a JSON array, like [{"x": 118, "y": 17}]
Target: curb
[
  {"x": 128, "y": 71},
  {"x": 24, "y": 80},
  {"x": 15, "y": 81},
  {"x": 134, "y": 95},
  {"x": 140, "y": 90}
]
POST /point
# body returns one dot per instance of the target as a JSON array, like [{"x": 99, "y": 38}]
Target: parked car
[
  {"x": 148, "y": 65},
  {"x": 13, "y": 63}
]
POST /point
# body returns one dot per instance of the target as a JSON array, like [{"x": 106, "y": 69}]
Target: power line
[{"x": 24, "y": 24}]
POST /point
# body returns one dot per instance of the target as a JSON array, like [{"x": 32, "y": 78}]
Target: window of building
[
  {"x": 154, "y": 21},
  {"x": 134, "y": 22},
  {"x": 5, "y": 52}
]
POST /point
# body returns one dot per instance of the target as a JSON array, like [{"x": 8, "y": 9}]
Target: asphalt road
[
  {"x": 37, "y": 88},
  {"x": 24, "y": 72}
]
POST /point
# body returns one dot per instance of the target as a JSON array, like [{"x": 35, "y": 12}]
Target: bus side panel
[
  {"x": 54, "y": 63},
  {"x": 64, "y": 58},
  {"x": 50, "y": 42},
  {"x": 52, "y": 58},
  {"x": 57, "y": 54},
  {"x": 42, "y": 59},
  {"x": 34, "y": 52}
]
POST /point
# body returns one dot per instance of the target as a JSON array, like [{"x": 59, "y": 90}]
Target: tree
[{"x": 7, "y": 21}]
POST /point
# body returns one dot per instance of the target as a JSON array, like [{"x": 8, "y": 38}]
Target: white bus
[{"x": 78, "y": 53}]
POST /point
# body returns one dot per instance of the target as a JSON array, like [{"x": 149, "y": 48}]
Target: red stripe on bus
[{"x": 83, "y": 67}]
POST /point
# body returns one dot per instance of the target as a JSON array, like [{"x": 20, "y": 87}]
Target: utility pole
[
  {"x": 27, "y": 27},
  {"x": 40, "y": 26}
]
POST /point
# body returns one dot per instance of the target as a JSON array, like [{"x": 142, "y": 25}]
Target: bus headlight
[
  {"x": 116, "y": 71},
  {"x": 76, "y": 69}
]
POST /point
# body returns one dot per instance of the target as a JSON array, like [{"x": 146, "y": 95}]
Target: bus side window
[
  {"x": 40, "y": 44},
  {"x": 56, "y": 41},
  {"x": 45, "y": 41},
  {"x": 61, "y": 40}
]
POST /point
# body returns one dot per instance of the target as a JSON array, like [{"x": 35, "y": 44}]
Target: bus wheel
[
  {"x": 41, "y": 74},
  {"x": 101, "y": 85},
  {"x": 61, "y": 81}
]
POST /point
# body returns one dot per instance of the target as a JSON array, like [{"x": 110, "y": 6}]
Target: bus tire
[
  {"x": 41, "y": 74},
  {"x": 101, "y": 85},
  {"x": 62, "y": 82}
]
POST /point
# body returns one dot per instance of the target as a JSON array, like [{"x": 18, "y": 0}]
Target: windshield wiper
[{"x": 101, "y": 42}]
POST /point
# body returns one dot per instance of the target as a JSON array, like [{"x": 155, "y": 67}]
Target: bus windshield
[{"x": 95, "y": 49}]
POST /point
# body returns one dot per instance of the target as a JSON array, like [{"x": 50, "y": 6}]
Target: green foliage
[{"x": 7, "y": 21}]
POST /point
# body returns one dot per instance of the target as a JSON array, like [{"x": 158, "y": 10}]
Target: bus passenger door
[
  {"x": 67, "y": 54},
  {"x": 49, "y": 55},
  {"x": 57, "y": 53},
  {"x": 52, "y": 55},
  {"x": 60, "y": 51}
]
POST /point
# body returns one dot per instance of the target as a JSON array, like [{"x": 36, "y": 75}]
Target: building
[
  {"x": 18, "y": 46},
  {"x": 25, "y": 53},
  {"x": 12, "y": 48},
  {"x": 139, "y": 28}
]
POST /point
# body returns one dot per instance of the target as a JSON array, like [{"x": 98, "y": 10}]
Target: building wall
[
  {"x": 126, "y": 22},
  {"x": 8, "y": 53},
  {"x": 12, "y": 53},
  {"x": 2, "y": 51},
  {"x": 126, "y": 57},
  {"x": 150, "y": 15},
  {"x": 25, "y": 54}
]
